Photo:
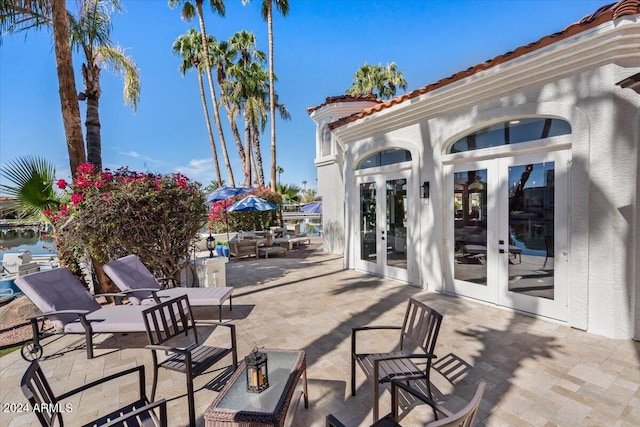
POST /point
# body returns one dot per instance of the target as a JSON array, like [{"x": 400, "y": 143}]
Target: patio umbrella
[
  {"x": 313, "y": 207},
  {"x": 251, "y": 203},
  {"x": 224, "y": 193}
]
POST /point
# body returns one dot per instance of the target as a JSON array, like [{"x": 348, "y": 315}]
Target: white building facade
[{"x": 514, "y": 182}]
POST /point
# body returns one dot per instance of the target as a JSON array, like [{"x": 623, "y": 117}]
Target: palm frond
[
  {"x": 32, "y": 178},
  {"x": 118, "y": 62}
]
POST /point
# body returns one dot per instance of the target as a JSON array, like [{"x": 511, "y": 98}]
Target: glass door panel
[
  {"x": 531, "y": 226},
  {"x": 470, "y": 219},
  {"x": 368, "y": 222},
  {"x": 396, "y": 223}
]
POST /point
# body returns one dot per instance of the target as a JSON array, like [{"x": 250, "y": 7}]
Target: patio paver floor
[{"x": 538, "y": 373}]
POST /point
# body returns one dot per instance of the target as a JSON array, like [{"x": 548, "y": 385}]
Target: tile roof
[
  {"x": 344, "y": 98},
  {"x": 602, "y": 15}
]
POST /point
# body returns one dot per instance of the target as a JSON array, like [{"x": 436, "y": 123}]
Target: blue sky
[{"x": 318, "y": 48}]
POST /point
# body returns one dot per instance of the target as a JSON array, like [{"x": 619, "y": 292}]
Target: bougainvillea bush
[
  {"x": 245, "y": 221},
  {"x": 113, "y": 214}
]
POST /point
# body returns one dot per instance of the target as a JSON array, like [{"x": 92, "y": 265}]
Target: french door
[
  {"x": 509, "y": 238},
  {"x": 383, "y": 218}
]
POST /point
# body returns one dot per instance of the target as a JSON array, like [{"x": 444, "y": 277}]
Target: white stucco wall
[{"x": 603, "y": 252}]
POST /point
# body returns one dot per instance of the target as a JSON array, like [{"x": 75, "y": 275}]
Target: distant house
[{"x": 514, "y": 182}]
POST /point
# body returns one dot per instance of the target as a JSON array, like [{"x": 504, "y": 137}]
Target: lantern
[
  {"x": 211, "y": 244},
  {"x": 256, "y": 369}
]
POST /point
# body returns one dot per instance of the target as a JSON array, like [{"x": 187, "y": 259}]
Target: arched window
[
  {"x": 384, "y": 157},
  {"x": 511, "y": 132}
]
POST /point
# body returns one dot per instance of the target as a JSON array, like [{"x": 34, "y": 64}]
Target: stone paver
[{"x": 538, "y": 373}]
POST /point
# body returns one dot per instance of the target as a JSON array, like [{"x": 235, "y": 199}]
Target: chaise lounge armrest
[
  {"x": 81, "y": 314},
  {"x": 117, "y": 296}
]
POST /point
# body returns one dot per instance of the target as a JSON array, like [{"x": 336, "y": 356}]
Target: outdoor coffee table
[
  {"x": 235, "y": 406},
  {"x": 271, "y": 250}
]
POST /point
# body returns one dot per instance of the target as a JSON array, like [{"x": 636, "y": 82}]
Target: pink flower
[
  {"x": 63, "y": 210},
  {"x": 47, "y": 212},
  {"x": 76, "y": 198},
  {"x": 86, "y": 168},
  {"x": 62, "y": 184}
]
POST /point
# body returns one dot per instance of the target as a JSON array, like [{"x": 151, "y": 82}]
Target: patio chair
[
  {"x": 132, "y": 277},
  {"x": 420, "y": 327},
  {"x": 170, "y": 319},
  {"x": 71, "y": 309},
  {"x": 243, "y": 248},
  {"x": 141, "y": 412},
  {"x": 401, "y": 391}
]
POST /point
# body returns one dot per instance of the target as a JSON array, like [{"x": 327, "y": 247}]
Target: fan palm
[
  {"x": 22, "y": 15},
  {"x": 90, "y": 33},
  {"x": 188, "y": 12},
  {"x": 32, "y": 185},
  {"x": 290, "y": 193},
  {"x": 189, "y": 48},
  {"x": 377, "y": 80}
]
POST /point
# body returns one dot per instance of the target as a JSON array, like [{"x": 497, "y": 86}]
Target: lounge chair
[
  {"x": 132, "y": 277},
  {"x": 50, "y": 411},
  {"x": 67, "y": 304}
]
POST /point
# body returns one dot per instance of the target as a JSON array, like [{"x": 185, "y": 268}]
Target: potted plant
[{"x": 225, "y": 249}]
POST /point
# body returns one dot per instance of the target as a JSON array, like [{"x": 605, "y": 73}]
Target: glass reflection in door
[
  {"x": 470, "y": 226},
  {"x": 397, "y": 223},
  {"x": 531, "y": 229},
  {"x": 368, "y": 220}
]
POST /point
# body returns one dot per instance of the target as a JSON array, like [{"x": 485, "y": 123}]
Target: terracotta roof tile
[
  {"x": 603, "y": 14},
  {"x": 343, "y": 98}
]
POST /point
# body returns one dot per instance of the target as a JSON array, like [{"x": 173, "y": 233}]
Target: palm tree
[
  {"x": 249, "y": 81},
  {"x": 188, "y": 12},
  {"x": 21, "y": 15},
  {"x": 222, "y": 57},
  {"x": 279, "y": 170},
  {"x": 32, "y": 178},
  {"x": 267, "y": 15},
  {"x": 189, "y": 48},
  {"x": 290, "y": 193},
  {"x": 90, "y": 33},
  {"x": 377, "y": 80}
]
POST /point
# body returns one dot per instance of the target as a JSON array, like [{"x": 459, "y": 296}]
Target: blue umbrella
[
  {"x": 251, "y": 203},
  {"x": 224, "y": 193},
  {"x": 313, "y": 207}
]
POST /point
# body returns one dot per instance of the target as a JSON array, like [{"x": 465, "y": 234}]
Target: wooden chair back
[
  {"x": 421, "y": 326},
  {"x": 168, "y": 320},
  {"x": 36, "y": 389}
]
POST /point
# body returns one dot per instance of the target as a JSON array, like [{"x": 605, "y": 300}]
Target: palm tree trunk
[
  {"x": 247, "y": 152},
  {"x": 258, "y": 156},
  {"x": 67, "y": 83},
  {"x": 237, "y": 138},
  {"x": 216, "y": 114},
  {"x": 272, "y": 103},
  {"x": 207, "y": 120},
  {"x": 91, "y": 75}
]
